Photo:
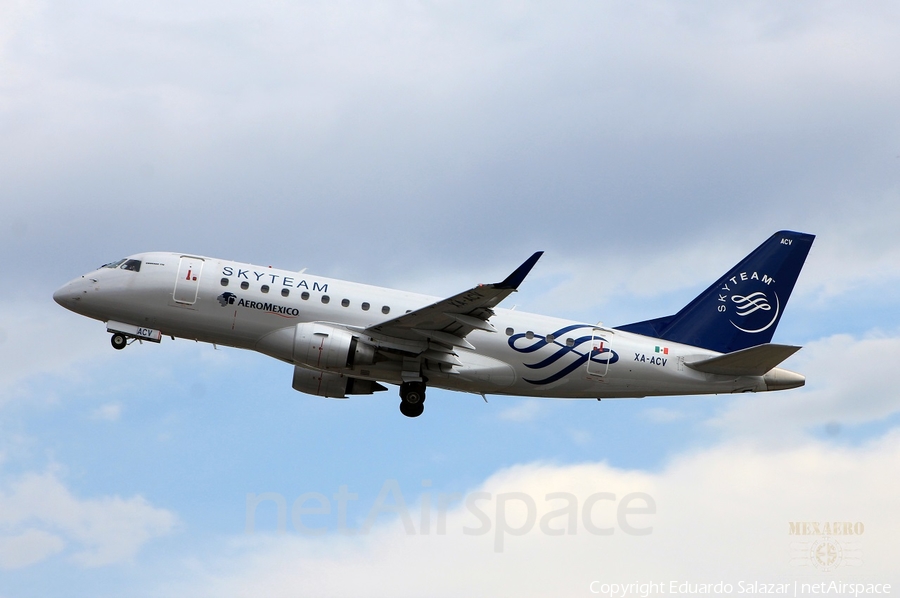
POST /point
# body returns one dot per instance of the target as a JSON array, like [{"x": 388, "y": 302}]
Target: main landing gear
[{"x": 412, "y": 398}]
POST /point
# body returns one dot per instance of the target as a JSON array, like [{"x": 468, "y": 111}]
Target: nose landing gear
[
  {"x": 118, "y": 341},
  {"x": 412, "y": 395}
]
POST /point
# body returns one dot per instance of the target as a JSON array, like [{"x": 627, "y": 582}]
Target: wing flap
[
  {"x": 445, "y": 337},
  {"x": 475, "y": 323},
  {"x": 440, "y": 357},
  {"x": 755, "y": 361}
]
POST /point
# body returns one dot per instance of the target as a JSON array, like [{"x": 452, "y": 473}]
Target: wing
[{"x": 450, "y": 320}]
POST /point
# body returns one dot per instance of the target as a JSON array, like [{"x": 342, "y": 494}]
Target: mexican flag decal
[{"x": 663, "y": 350}]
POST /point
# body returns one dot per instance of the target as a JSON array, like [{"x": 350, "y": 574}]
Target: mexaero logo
[{"x": 747, "y": 299}]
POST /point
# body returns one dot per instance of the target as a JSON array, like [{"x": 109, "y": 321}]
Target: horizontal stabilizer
[{"x": 755, "y": 361}]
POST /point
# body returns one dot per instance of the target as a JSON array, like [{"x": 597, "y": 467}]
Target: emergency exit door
[
  {"x": 600, "y": 354},
  {"x": 187, "y": 283}
]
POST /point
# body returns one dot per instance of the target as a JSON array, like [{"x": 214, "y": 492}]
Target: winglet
[{"x": 515, "y": 279}]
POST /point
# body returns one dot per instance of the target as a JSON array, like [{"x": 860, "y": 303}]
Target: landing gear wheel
[
  {"x": 411, "y": 409},
  {"x": 118, "y": 341},
  {"x": 412, "y": 392},
  {"x": 413, "y": 398}
]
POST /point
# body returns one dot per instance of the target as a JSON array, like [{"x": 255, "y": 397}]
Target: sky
[{"x": 429, "y": 146}]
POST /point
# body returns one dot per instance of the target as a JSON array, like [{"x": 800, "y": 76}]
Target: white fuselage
[{"x": 245, "y": 306}]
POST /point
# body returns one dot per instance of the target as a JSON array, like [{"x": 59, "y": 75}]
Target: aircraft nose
[
  {"x": 68, "y": 295},
  {"x": 63, "y": 295}
]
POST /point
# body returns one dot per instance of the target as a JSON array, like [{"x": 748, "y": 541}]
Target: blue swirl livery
[{"x": 567, "y": 356}]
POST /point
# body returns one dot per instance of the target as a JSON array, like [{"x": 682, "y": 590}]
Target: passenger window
[
  {"x": 325, "y": 298},
  {"x": 224, "y": 282},
  {"x": 510, "y": 332},
  {"x": 385, "y": 310},
  {"x": 285, "y": 292},
  {"x": 549, "y": 338},
  {"x": 264, "y": 288},
  {"x": 365, "y": 306},
  {"x": 529, "y": 335},
  {"x": 304, "y": 295},
  {"x": 245, "y": 285},
  {"x": 570, "y": 342},
  {"x": 345, "y": 302}
]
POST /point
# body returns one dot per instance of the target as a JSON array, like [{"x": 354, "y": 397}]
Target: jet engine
[
  {"x": 319, "y": 346},
  {"x": 332, "y": 384},
  {"x": 326, "y": 347}
]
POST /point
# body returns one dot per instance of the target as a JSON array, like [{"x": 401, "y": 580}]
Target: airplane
[{"x": 344, "y": 338}]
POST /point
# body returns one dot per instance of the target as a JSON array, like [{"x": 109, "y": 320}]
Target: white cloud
[
  {"x": 638, "y": 272},
  {"x": 28, "y": 548},
  {"x": 720, "y": 514},
  {"x": 580, "y": 437},
  {"x": 854, "y": 250},
  {"x": 108, "y": 412},
  {"x": 39, "y": 338},
  {"x": 38, "y": 515},
  {"x": 662, "y": 415},
  {"x": 523, "y": 411},
  {"x": 49, "y": 353},
  {"x": 417, "y": 99}
]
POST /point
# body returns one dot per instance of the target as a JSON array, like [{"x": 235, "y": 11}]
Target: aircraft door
[
  {"x": 600, "y": 354},
  {"x": 187, "y": 282}
]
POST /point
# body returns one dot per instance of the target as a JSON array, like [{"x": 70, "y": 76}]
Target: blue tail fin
[{"x": 743, "y": 307}]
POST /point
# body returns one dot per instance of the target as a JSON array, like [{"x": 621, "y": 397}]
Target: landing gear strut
[
  {"x": 412, "y": 395},
  {"x": 118, "y": 341}
]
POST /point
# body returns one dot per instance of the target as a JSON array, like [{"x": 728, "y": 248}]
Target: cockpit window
[
  {"x": 133, "y": 265},
  {"x": 125, "y": 264}
]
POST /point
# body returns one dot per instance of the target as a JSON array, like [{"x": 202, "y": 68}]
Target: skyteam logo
[
  {"x": 569, "y": 353},
  {"x": 751, "y": 307},
  {"x": 751, "y": 303}
]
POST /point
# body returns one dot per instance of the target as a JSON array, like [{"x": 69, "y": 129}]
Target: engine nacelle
[
  {"x": 329, "y": 348},
  {"x": 319, "y": 346},
  {"x": 332, "y": 384}
]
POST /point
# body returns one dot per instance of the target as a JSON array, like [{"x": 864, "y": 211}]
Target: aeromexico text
[
  {"x": 270, "y": 278},
  {"x": 270, "y": 307}
]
